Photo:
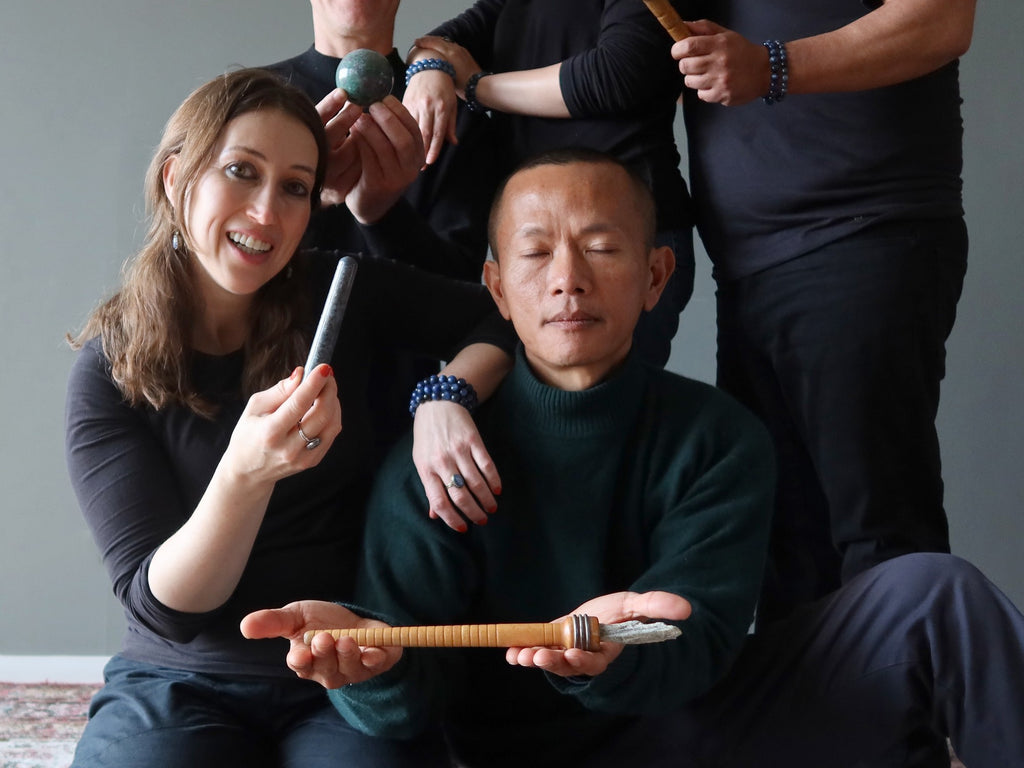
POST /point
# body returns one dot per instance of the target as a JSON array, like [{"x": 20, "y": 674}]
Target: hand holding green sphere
[{"x": 365, "y": 75}]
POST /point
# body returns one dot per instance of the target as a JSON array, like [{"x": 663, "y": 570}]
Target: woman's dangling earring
[{"x": 176, "y": 240}]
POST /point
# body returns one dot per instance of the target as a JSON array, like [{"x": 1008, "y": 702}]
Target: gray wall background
[{"x": 85, "y": 91}]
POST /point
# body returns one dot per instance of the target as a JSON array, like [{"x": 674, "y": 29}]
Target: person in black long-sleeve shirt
[
  {"x": 839, "y": 272},
  {"x": 211, "y": 480}
]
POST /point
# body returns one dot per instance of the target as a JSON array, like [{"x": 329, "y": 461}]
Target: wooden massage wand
[
  {"x": 669, "y": 19},
  {"x": 576, "y": 631}
]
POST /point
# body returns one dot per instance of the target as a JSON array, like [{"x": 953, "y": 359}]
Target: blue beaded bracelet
[
  {"x": 443, "y": 388},
  {"x": 779, "y": 78},
  {"x": 471, "y": 102},
  {"x": 424, "y": 64}
]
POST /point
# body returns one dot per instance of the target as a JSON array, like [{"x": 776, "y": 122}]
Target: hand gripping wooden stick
[
  {"x": 576, "y": 631},
  {"x": 669, "y": 19}
]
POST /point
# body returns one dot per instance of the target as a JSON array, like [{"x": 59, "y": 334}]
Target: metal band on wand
[
  {"x": 668, "y": 18},
  {"x": 326, "y": 335},
  {"x": 576, "y": 631}
]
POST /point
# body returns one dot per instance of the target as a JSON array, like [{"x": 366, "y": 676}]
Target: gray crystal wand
[
  {"x": 576, "y": 631},
  {"x": 330, "y": 319}
]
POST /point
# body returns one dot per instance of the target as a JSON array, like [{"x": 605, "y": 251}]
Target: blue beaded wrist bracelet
[
  {"x": 471, "y": 102},
  {"x": 779, "y": 80},
  {"x": 443, "y": 388},
  {"x": 424, "y": 64}
]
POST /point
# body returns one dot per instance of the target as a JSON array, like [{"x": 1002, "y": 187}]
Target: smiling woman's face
[{"x": 247, "y": 211}]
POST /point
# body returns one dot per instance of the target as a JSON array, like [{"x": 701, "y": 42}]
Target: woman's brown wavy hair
[{"x": 145, "y": 327}]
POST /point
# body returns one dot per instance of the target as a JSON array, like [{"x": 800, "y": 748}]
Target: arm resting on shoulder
[{"x": 456, "y": 321}]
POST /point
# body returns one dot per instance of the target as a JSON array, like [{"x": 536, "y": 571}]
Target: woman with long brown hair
[{"x": 214, "y": 482}]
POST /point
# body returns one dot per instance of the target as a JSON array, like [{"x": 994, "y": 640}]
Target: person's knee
[
  {"x": 942, "y": 566},
  {"x": 922, "y": 573}
]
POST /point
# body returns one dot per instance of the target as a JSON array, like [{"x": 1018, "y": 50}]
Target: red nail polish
[{"x": 326, "y": 370}]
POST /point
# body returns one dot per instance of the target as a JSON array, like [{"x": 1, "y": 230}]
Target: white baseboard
[{"x": 52, "y": 669}]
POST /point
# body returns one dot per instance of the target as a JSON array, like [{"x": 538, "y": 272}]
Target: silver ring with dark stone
[{"x": 311, "y": 442}]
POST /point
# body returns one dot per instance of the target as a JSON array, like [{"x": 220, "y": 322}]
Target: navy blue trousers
[
  {"x": 840, "y": 352},
  {"x": 920, "y": 645},
  {"x": 153, "y": 717}
]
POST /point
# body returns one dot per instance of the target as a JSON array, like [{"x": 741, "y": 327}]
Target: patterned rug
[{"x": 40, "y": 723}]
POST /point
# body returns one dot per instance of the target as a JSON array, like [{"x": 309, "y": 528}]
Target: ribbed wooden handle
[
  {"x": 669, "y": 19},
  {"x": 563, "y": 634}
]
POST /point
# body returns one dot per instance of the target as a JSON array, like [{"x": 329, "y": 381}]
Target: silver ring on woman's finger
[
  {"x": 311, "y": 442},
  {"x": 457, "y": 481}
]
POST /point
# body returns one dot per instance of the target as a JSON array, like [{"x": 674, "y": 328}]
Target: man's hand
[
  {"x": 896, "y": 42},
  {"x": 609, "y": 609},
  {"x": 330, "y": 663},
  {"x": 721, "y": 65}
]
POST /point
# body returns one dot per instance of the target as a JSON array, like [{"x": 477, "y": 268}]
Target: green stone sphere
[{"x": 365, "y": 76}]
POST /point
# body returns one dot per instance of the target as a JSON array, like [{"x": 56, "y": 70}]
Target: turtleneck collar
[
  {"x": 601, "y": 409},
  {"x": 322, "y": 67}
]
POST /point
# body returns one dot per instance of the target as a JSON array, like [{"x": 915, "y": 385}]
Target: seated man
[{"x": 631, "y": 492}]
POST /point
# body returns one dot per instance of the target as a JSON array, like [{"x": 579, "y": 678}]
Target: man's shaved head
[{"x": 642, "y": 196}]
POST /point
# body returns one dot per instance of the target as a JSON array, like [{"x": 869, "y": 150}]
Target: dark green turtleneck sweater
[{"x": 648, "y": 481}]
